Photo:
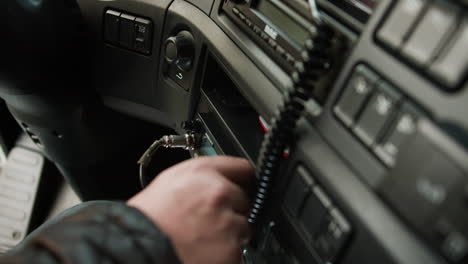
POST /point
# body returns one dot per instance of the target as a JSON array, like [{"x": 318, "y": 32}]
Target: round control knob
[{"x": 180, "y": 50}]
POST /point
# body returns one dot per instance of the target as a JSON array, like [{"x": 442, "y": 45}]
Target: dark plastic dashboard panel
[
  {"x": 379, "y": 235},
  {"x": 238, "y": 66},
  {"x": 345, "y": 169},
  {"x": 123, "y": 75},
  {"x": 359, "y": 161}
]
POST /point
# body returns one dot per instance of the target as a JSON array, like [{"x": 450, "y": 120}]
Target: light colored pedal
[
  {"x": 19, "y": 182},
  {"x": 2, "y": 157}
]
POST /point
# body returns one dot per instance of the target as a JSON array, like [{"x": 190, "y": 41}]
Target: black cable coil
[{"x": 315, "y": 62}]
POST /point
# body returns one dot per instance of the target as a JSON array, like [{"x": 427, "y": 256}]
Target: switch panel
[
  {"x": 421, "y": 182},
  {"x": 380, "y": 117},
  {"x": 432, "y": 36},
  {"x": 128, "y": 31},
  {"x": 325, "y": 227},
  {"x": 426, "y": 188}
]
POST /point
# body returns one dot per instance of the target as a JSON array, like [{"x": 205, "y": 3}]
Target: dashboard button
[
  {"x": 400, "y": 21},
  {"x": 290, "y": 59},
  {"x": 171, "y": 52},
  {"x": 334, "y": 234},
  {"x": 403, "y": 130},
  {"x": 451, "y": 66},
  {"x": 298, "y": 189},
  {"x": 143, "y": 29},
  {"x": 356, "y": 93},
  {"x": 272, "y": 43},
  {"x": 127, "y": 31},
  {"x": 242, "y": 17},
  {"x": 235, "y": 11},
  {"x": 111, "y": 26},
  {"x": 280, "y": 50},
  {"x": 436, "y": 25},
  {"x": 455, "y": 246},
  {"x": 257, "y": 30},
  {"x": 377, "y": 114},
  {"x": 313, "y": 214},
  {"x": 249, "y": 23}
]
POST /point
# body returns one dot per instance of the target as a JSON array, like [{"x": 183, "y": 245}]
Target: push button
[
  {"x": 404, "y": 128},
  {"x": 127, "y": 31},
  {"x": 290, "y": 59},
  {"x": 256, "y": 29},
  {"x": 332, "y": 238},
  {"x": 111, "y": 26},
  {"x": 298, "y": 189},
  {"x": 455, "y": 246},
  {"x": 453, "y": 63},
  {"x": 280, "y": 50},
  {"x": 377, "y": 114},
  {"x": 242, "y": 17},
  {"x": 436, "y": 25},
  {"x": 143, "y": 33},
  {"x": 272, "y": 43},
  {"x": 400, "y": 21},
  {"x": 313, "y": 214},
  {"x": 355, "y": 94},
  {"x": 249, "y": 23}
]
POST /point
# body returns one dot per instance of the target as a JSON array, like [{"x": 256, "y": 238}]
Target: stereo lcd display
[{"x": 283, "y": 22}]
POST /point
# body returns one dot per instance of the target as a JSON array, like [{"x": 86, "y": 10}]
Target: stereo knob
[{"x": 180, "y": 50}]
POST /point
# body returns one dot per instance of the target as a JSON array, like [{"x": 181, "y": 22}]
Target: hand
[{"x": 201, "y": 204}]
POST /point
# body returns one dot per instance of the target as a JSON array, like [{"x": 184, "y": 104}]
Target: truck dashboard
[{"x": 354, "y": 112}]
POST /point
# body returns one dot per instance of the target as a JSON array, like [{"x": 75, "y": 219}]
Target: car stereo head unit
[
  {"x": 281, "y": 27},
  {"x": 274, "y": 26},
  {"x": 282, "y": 31}
]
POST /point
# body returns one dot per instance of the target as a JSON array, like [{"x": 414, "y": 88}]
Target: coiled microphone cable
[{"x": 315, "y": 62}]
